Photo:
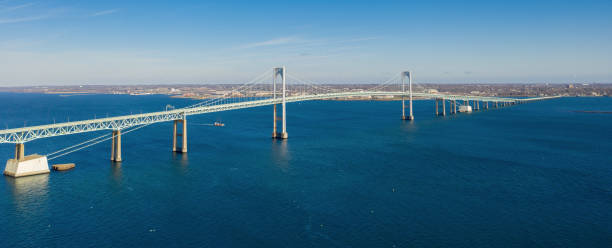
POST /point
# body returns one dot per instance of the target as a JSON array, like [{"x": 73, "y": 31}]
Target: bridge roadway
[{"x": 26, "y": 134}]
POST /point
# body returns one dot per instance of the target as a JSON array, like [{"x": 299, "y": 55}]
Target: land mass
[{"x": 207, "y": 91}]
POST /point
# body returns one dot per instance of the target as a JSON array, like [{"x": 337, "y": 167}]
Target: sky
[{"x": 53, "y": 42}]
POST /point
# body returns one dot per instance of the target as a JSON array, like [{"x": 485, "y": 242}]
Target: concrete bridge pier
[
  {"x": 443, "y": 107},
  {"x": 454, "y": 106},
  {"x": 436, "y": 106},
  {"x": 477, "y": 105},
  {"x": 23, "y": 165},
  {"x": 116, "y": 146},
  {"x": 183, "y": 136},
  {"x": 19, "y": 151}
]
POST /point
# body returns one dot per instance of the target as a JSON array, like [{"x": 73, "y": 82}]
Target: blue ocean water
[{"x": 351, "y": 174}]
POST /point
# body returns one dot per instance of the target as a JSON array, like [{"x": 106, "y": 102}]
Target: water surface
[{"x": 351, "y": 174}]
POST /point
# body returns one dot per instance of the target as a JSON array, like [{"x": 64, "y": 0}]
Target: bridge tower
[
  {"x": 183, "y": 135},
  {"x": 407, "y": 74},
  {"x": 280, "y": 71}
]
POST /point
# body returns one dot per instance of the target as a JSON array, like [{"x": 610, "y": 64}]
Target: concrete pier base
[
  {"x": 26, "y": 166},
  {"x": 283, "y": 135},
  {"x": 280, "y": 135}
]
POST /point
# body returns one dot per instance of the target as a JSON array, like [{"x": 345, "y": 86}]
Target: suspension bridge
[{"x": 258, "y": 92}]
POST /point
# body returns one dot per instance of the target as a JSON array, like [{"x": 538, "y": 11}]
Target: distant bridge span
[
  {"x": 23, "y": 165},
  {"x": 26, "y": 134}
]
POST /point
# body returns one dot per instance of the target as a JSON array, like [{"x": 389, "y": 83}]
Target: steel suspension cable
[
  {"x": 97, "y": 142},
  {"x": 79, "y": 144}
]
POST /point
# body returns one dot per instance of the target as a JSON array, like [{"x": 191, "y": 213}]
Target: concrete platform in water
[
  {"x": 465, "y": 109},
  {"x": 63, "y": 167},
  {"x": 29, "y": 165}
]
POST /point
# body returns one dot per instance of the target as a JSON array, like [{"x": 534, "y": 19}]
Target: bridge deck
[{"x": 25, "y": 134}]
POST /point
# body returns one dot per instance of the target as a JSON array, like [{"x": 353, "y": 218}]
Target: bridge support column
[
  {"x": 274, "y": 133},
  {"x": 443, "y": 107},
  {"x": 19, "y": 151},
  {"x": 283, "y": 134},
  {"x": 183, "y": 136},
  {"x": 436, "y": 107},
  {"x": 477, "y": 105},
  {"x": 116, "y": 146},
  {"x": 456, "y": 107},
  {"x": 495, "y": 104},
  {"x": 25, "y": 166}
]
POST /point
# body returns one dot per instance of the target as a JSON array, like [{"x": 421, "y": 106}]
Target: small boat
[
  {"x": 63, "y": 167},
  {"x": 219, "y": 124}
]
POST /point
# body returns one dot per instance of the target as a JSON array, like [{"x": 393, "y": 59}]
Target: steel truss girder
[{"x": 25, "y": 134}]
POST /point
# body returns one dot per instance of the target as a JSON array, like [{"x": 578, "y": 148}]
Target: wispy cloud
[
  {"x": 16, "y": 7},
  {"x": 361, "y": 39},
  {"x": 105, "y": 12},
  {"x": 23, "y": 19},
  {"x": 273, "y": 42}
]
